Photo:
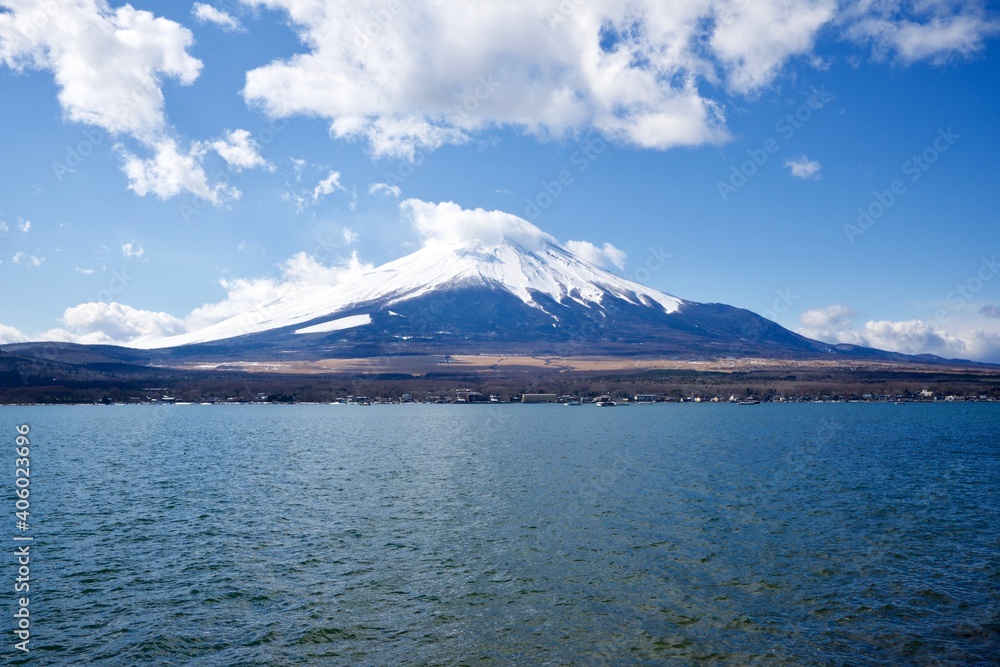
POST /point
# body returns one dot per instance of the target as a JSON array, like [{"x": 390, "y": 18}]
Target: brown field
[{"x": 491, "y": 365}]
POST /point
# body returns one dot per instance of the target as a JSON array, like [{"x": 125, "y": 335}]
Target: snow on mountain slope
[{"x": 546, "y": 269}]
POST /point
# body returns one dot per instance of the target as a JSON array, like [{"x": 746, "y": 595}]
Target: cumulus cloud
[
  {"x": 755, "y": 39},
  {"x": 447, "y": 222},
  {"x": 239, "y": 150},
  {"x": 606, "y": 256},
  {"x": 327, "y": 186},
  {"x": 804, "y": 168},
  {"x": 11, "y": 335},
  {"x": 208, "y": 14},
  {"x": 110, "y": 65},
  {"x": 384, "y": 189},
  {"x": 245, "y": 294},
  {"x": 118, "y": 322},
  {"x": 350, "y": 236},
  {"x": 642, "y": 73},
  {"x": 115, "y": 323},
  {"x": 23, "y": 225},
  {"x": 838, "y": 324},
  {"x": 172, "y": 171}
]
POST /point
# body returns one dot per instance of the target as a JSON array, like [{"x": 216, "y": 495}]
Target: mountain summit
[{"x": 515, "y": 294}]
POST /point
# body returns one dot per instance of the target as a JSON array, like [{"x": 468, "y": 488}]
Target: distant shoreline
[{"x": 672, "y": 381}]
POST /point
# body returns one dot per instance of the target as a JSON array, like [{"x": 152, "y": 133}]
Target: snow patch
[{"x": 337, "y": 325}]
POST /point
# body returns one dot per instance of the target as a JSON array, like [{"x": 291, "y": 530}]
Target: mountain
[{"x": 514, "y": 296}]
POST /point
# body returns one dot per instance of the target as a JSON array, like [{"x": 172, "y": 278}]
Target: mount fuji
[{"x": 513, "y": 294}]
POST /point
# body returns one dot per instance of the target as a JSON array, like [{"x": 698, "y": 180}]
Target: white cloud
[
  {"x": 119, "y": 322},
  {"x": 920, "y": 30},
  {"x": 384, "y": 189},
  {"x": 172, "y": 171},
  {"x": 299, "y": 270},
  {"x": 606, "y": 256},
  {"x": 838, "y": 324},
  {"x": 239, "y": 150},
  {"x": 11, "y": 335},
  {"x": 132, "y": 249},
  {"x": 350, "y": 236},
  {"x": 327, "y": 186},
  {"x": 209, "y": 14},
  {"x": 3, "y": 227},
  {"x": 23, "y": 225},
  {"x": 110, "y": 65},
  {"x": 643, "y": 73},
  {"x": 21, "y": 257},
  {"x": 86, "y": 272},
  {"x": 804, "y": 168},
  {"x": 447, "y": 222},
  {"x": 115, "y": 323},
  {"x": 757, "y": 38}
]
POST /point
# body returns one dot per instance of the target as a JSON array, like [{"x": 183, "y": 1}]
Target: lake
[{"x": 805, "y": 534}]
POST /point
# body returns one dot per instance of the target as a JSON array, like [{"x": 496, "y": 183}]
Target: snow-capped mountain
[
  {"x": 545, "y": 274},
  {"x": 515, "y": 295}
]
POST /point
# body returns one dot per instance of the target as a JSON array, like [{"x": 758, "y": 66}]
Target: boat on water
[
  {"x": 748, "y": 401},
  {"x": 605, "y": 404},
  {"x": 573, "y": 402}
]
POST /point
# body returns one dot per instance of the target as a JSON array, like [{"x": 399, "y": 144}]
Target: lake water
[{"x": 808, "y": 534}]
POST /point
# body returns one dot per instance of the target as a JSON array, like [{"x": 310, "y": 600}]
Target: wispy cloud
[
  {"x": 204, "y": 13},
  {"x": 132, "y": 250},
  {"x": 605, "y": 256},
  {"x": 327, "y": 186},
  {"x": 25, "y": 259},
  {"x": 384, "y": 189}
]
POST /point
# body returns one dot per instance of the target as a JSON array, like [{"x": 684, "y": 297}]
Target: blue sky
[{"x": 830, "y": 165}]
